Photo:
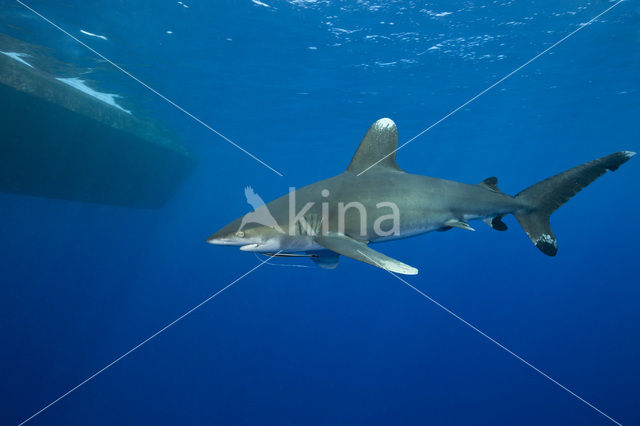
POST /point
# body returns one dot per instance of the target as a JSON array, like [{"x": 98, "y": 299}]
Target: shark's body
[{"x": 318, "y": 219}]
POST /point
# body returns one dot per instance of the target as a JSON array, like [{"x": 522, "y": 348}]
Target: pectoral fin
[{"x": 358, "y": 250}]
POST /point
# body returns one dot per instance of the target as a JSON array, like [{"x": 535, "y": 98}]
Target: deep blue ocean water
[{"x": 298, "y": 83}]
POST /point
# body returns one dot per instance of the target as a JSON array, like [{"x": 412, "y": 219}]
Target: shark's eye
[{"x": 239, "y": 234}]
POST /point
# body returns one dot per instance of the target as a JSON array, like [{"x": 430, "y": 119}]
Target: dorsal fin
[
  {"x": 490, "y": 183},
  {"x": 380, "y": 141}
]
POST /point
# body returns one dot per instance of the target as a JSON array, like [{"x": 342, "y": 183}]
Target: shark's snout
[
  {"x": 225, "y": 237},
  {"x": 222, "y": 241},
  {"x": 248, "y": 239}
]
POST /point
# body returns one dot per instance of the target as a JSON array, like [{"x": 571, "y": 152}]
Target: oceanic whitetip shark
[{"x": 374, "y": 201}]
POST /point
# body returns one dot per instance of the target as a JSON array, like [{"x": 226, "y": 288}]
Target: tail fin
[{"x": 545, "y": 197}]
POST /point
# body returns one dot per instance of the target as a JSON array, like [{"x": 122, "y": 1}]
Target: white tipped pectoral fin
[
  {"x": 387, "y": 263},
  {"x": 358, "y": 250}
]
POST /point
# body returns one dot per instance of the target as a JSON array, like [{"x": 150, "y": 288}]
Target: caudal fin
[{"x": 546, "y": 196}]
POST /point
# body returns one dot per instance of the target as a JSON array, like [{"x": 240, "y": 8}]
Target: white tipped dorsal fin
[{"x": 377, "y": 148}]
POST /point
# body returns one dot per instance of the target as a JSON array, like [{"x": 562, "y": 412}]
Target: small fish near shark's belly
[{"x": 286, "y": 244}]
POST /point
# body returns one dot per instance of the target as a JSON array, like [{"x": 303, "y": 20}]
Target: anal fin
[{"x": 496, "y": 223}]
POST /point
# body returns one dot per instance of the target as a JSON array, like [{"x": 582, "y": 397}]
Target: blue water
[{"x": 298, "y": 83}]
